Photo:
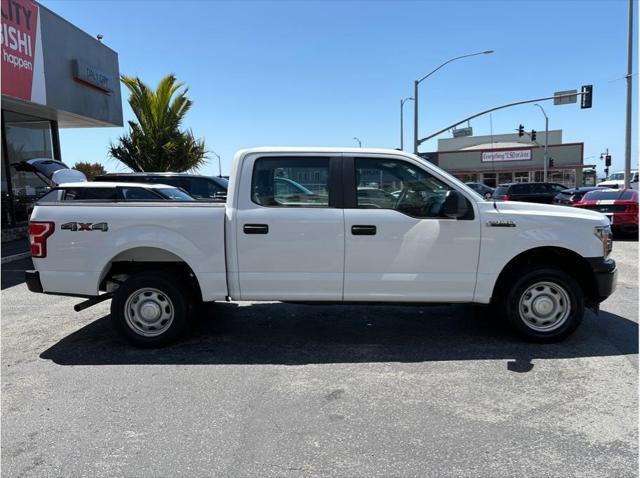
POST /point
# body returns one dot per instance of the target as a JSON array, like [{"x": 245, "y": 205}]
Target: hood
[
  {"x": 54, "y": 171},
  {"x": 549, "y": 210}
]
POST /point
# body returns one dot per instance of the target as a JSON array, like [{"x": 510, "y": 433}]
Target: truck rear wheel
[
  {"x": 544, "y": 305},
  {"x": 150, "y": 309}
]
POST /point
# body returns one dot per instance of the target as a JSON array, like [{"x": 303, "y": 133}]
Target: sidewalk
[{"x": 15, "y": 250}]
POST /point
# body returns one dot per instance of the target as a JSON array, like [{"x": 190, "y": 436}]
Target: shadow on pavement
[
  {"x": 297, "y": 334},
  {"x": 13, "y": 272}
]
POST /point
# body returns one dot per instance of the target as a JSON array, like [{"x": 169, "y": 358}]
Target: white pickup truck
[{"x": 323, "y": 225}]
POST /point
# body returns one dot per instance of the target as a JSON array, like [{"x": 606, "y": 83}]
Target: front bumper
[
  {"x": 33, "y": 281},
  {"x": 605, "y": 273}
]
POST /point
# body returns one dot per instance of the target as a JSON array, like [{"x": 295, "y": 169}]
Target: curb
[{"x": 15, "y": 257}]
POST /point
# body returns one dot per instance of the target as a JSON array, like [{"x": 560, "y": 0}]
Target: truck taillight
[
  {"x": 506, "y": 197},
  {"x": 632, "y": 208},
  {"x": 38, "y": 234}
]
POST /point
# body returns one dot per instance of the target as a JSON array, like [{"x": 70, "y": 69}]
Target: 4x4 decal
[{"x": 85, "y": 226}]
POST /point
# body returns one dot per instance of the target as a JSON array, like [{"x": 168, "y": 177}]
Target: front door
[
  {"x": 398, "y": 245},
  {"x": 290, "y": 234}
]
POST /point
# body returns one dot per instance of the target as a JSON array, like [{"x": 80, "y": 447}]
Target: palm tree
[{"x": 155, "y": 142}]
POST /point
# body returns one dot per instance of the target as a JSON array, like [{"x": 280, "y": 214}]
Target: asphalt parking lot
[{"x": 293, "y": 390}]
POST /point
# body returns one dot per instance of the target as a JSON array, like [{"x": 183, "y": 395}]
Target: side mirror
[{"x": 455, "y": 205}]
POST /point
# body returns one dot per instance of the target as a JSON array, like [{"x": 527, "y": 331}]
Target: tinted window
[
  {"x": 521, "y": 189},
  {"x": 541, "y": 188},
  {"x": 138, "y": 194},
  {"x": 202, "y": 187},
  {"x": 291, "y": 182},
  {"x": 604, "y": 195},
  {"x": 501, "y": 190},
  {"x": 90, "y": 194},
  {"x": 175, "y": 194},
  {"x": 398, "y": 185},
  {"x": 558, "y": 187}
]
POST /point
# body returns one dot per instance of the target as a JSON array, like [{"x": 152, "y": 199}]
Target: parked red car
[{"x": 619, "y": 205}]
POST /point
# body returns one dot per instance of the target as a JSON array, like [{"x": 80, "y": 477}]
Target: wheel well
[
  {"x": 145, "y": 259},
  {"x": 570, "y": 262}
]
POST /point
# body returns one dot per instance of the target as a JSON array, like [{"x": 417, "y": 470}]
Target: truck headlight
[{"x": 604, "y": 234}]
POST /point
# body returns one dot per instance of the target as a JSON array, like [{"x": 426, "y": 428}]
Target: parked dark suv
[
  {"x": 209, "y": 188},
  {"x": 528, "y": 192}
]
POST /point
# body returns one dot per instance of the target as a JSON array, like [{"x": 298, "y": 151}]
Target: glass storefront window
[
  {"x": 27, "y": 137},
  {"x": 489, "y": 179},
  {"x": 521, "y": 177},
  {"x": 505, "y": 178},
  {"x": 467, "y": 178}
]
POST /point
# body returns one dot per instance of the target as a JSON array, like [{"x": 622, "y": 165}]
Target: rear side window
[
  {"x": 138, "y": 194},
  {"x": 501, "y": 190},
  {"x": 90, "y": 194},
  {"x": 521, "y": 189},
  {"x": 291, "y": 182},
  {"x": 606, "y": 195}
]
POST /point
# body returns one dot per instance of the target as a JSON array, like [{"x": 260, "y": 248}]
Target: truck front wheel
[
  {"x": 544, "y": 305},
  {"x": 150, "y": 309}
]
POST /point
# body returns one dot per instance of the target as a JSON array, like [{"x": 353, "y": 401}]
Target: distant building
[
  {"x": 505, "y": 158},
  {"x": 54, "y": 75}
]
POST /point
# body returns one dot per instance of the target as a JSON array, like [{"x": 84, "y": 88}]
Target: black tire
[
  {"x": 169, "y": 299},
  {"x": 561, "y": 289}
]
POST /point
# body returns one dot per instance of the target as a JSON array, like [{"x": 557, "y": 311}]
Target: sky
[{"x": 305, "y": 73}]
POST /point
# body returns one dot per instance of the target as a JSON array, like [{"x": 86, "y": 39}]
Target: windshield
[{"x": 175, "y": 194}]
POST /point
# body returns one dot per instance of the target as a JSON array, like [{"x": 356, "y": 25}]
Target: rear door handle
[
  {"x": 256, "y": 229},
  {"x": 363, "y": 230}
]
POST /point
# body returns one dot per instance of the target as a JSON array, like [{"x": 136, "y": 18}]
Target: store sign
[
  {"x": 92, "y": 76},
  {"x": 22, "y": 61},
  {"x": 515, "y": 155}
]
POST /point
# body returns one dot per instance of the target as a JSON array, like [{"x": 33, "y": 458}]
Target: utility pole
[
  {"x": 627, "y": 143},
  {"x": 402, "y": 102},
  {"x": 546, "y": 142}
]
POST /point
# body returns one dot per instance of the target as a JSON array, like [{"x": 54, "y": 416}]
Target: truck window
[
  {"x": 138, "y": 194},
  {"x": 398, "y": 185},
  {"x": 90, "y": 194},
  {"x": 291, "y": 182}
]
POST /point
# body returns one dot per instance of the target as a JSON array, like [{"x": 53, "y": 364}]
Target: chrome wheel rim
[
  {"x": 544, "y": 306},
  {"x": 149, "y": 312}
]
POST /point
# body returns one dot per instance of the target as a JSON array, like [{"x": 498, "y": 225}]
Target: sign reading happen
[
  {"x": 22, "y": 64},
  {"x": 516, "y": 155}
]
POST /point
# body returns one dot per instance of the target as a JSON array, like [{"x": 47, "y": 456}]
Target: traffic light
[
  {"x": 533, "y": 135},
  {"x": 586, "y": 97},
  {"x": 551, "y": 162},
  {"x": 520, "y": 130},
  {"x": 607, "y": 160}
]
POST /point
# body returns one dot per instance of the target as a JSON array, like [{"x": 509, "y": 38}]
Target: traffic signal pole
[{"x": 546, "y": 98}]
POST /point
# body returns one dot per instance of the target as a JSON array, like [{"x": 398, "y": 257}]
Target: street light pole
[
  {"x": 546, "y": 142},
  {"x": 359, "y": 142},
  {"x": 219, "y": 164},
  {"x": 402, "y": 102},
  {"x": 415, "y": 94},
  {"x": 627, "y": 142}
]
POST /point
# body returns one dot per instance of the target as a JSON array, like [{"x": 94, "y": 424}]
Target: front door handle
[
  {"x": 363, "y": 230},
  {"x": 256, "y": 229}
]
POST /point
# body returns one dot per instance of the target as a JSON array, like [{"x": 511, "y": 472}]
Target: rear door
[
  {"x": 399, "y": 246},
  {"x": 289, "y": 228}
]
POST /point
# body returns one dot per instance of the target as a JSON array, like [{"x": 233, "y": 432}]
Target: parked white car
[
  {"x": 437, "y": 242},
  {"x": 616, "y": 181}
]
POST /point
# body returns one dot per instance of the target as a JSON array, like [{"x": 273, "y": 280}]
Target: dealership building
[
  {"x": 54, "y": 76},
  {"x": 506, "y": 158}
]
